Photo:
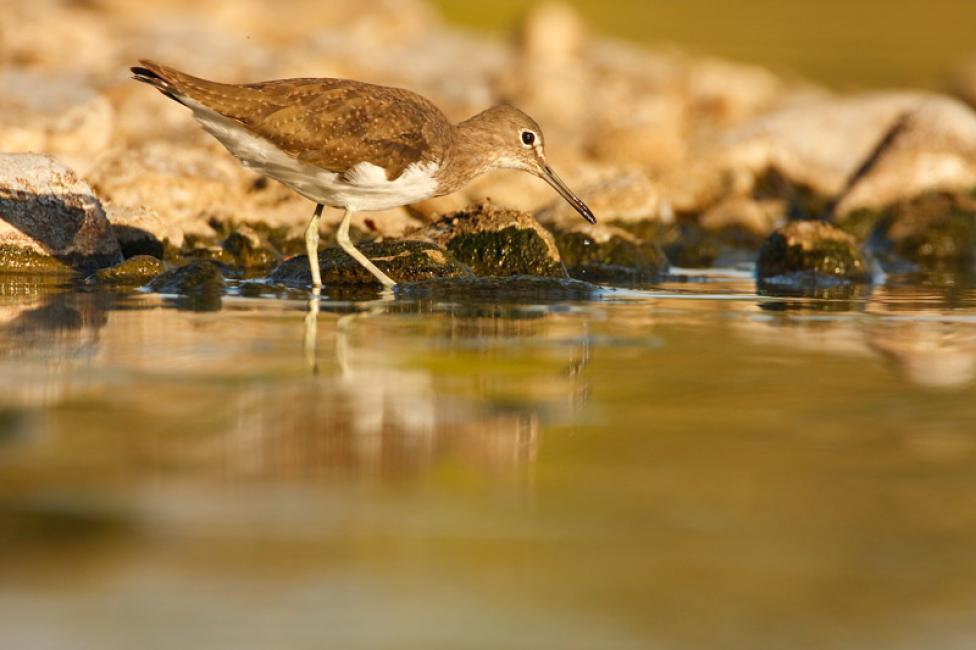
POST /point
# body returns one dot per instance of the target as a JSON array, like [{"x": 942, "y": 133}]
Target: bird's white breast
[{"x": 364, "y": 187}]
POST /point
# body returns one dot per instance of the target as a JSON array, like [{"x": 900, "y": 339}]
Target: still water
[{"x": 690, "y": 465}]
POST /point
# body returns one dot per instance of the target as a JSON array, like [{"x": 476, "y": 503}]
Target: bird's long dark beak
[{"x": 557, "y": 183}]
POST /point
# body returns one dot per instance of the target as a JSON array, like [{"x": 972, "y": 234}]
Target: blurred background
[{"x": 846, "y": 43}]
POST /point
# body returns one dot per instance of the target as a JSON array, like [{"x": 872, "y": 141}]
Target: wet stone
[
  {"x": 601, "y": 253},
  {"x": 404, "y": 261},
  {"x": 196, "y": 278},
  {"x": 811, "y": 254},
  {"x": 250, "y": 250},
  {"x": 496, "y": 242},
  {"x": 690, "y": 245},
  {"x": 135, "y": 271},
  {"x": 936, "y": 232}
]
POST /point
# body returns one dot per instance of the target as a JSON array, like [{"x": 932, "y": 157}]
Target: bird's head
[{"x": 516, "y": 142}]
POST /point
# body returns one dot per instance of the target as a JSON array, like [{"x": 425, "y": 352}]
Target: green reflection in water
[{"x": 690, "y": 466}]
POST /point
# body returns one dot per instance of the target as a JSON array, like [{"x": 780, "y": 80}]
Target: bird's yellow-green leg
[
  {"x": 312, "y": 245},
  {"x": 342, "y": 236}
]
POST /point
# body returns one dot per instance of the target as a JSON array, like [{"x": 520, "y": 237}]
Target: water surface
[{"x": 690, "y": 465}]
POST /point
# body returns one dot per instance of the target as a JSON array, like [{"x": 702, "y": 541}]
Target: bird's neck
[{"x": 471, "y": 155}]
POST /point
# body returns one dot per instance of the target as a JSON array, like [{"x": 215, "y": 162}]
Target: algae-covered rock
[
  {"x": 497, "y": 242},
  {"x": 50, "y": 220},
  {"x": 601, "y": 253},
  {"x": 250, "y": 250},
  {"x": 196, "y": 278},
  {"x": 811, "y": 254},
  {"x": 404, "y": 261},
  {"x": 936, "y": 232},
  {"x": 134, "y": 271}
]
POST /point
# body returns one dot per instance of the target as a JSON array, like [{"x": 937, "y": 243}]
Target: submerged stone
[
  {"x": 811, "y": 254},
  {"x": 196, "y": 278},
  {"x": 404, "y": 261},
  {"x": 497, "y": 242},
  {"x": 601, "y": 253},
  {"x": 136, "y": 270}
]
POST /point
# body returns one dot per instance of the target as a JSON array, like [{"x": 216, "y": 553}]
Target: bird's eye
[{"x": 528, "y": 138}]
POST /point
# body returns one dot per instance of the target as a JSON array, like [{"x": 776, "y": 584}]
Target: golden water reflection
[{"x": 690, "y": 466}]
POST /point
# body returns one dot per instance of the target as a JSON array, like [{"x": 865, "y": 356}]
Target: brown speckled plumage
[{"x": 331, "y": 123}]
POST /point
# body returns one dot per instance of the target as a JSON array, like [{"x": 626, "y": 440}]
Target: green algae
[
  {"x": 935, "y": 232},
  {"x": 250, "y": 251},
  {"x": 508, "y": 251},
  {"x": 17, "y": 259},
  {"x": 197, "y": 277},
  {"x": 134, "y": 271},
  {"x": 819, "y": 252},
  {"x": 617, "y": 259}
]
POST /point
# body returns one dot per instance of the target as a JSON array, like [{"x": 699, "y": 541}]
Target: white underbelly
[{"x": 365, "y": 187}]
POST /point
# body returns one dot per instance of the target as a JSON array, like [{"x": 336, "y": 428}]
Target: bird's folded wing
[{"x": 331, "y": 123}]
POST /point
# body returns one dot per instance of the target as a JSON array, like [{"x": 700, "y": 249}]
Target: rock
[
  {"x": 47, "y": 36},
  {"x": 629, "y": 200},
  {"x": 756, "y": 216},
  {"x": 811, "y": 254},
  {"x": 601, "y": 253},
  {"x": 435, "y": 208},
  {"x": 187, "y": 187},
  {"x": 729, "y": 234},
  {"x": 250, "y": 250},
  {"x": 726, "y": 92},
  {"x": 54, "y": 114},
  {"x": 805, "y": 152},
  {"x": 141, "y": 231},
  {"x": 651, "y": 133},
  {"x": 50, "y": 220},
  {"x": 936, "y": 232},
  {"x": 136, "y": 270},
  {"x": 497, "y": 242},
  {"x": 404, "y": 261},
  {"x": 196, "y": 278},
  {"x": 933, "y": 149}
]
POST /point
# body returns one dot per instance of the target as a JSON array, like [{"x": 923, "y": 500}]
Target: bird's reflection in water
[{"x": 373, "y": 405}]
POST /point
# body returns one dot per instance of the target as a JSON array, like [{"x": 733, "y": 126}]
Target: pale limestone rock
[
  {"x": 187, "y": 187},
  {"x": 757, "y": 216},
  {"x": 48, "y": 214},
  {"x": 623, "y": 198},
  {"x": 55, "y": 114},
  {"x": 57, "y": 37},
  {"x": 139, "y": 228},
  {"x": 728, "y": 92},
  {"x": 935, "y": 150}
]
